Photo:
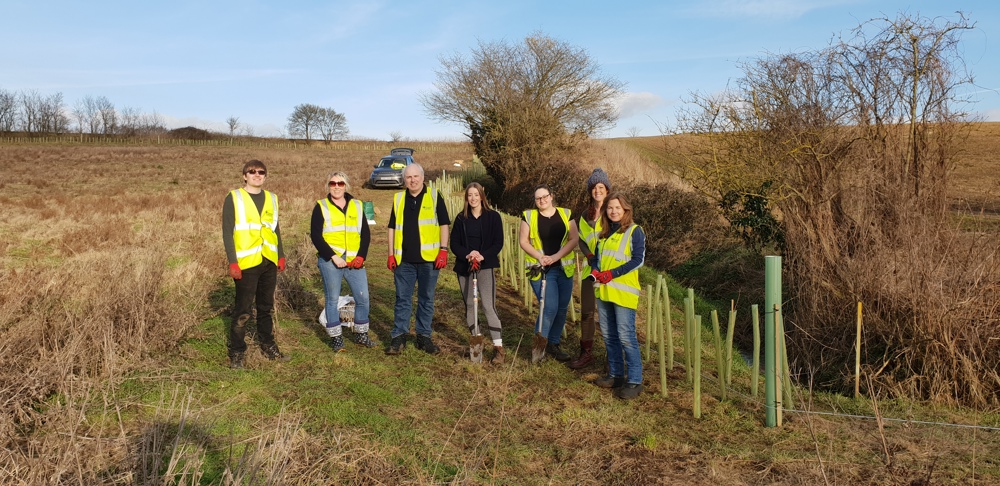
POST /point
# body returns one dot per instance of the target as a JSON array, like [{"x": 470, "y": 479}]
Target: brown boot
[
  {"x": 586, "y": 355},
  {"x": 497, "y": 358}
]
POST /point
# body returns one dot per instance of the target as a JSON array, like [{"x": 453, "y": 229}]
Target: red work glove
[
  {"x": 475, "y": 265},
  {"x": 441, "y": 260},
  {"x": 604, "y": 277},
  {"x": 235, "y": 272},
  {"x": 391, "y": 264},
  {"x": 281, "y": 264},
  {"x": 357, "y": 262}
]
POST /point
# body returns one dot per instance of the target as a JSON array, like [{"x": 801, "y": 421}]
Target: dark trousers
[{"x": 258, "y": 285}]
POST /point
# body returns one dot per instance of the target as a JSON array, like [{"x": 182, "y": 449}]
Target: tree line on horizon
[{"x": 33, "y": 113}]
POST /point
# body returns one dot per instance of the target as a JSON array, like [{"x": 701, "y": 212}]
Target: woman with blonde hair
[{"x": 339, "y": 231}]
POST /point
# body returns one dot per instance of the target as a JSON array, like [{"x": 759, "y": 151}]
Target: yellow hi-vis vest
[
  {"x": 589, "y": 236},
  {"x": 430, "y": 230},
  {"x": 568, "y": 262},
  {"x": 254, "y": 233},
  {"x": 624, "y": 290},
  {"x": 342, "y": 229}
]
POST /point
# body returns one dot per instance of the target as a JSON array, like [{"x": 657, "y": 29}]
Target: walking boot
[
  {"x": 424, "y": 343},
  {"x": 586, "y": 355},
  {"x": 236, "y": 361},
  {"x": 608, "y": 381},
  {"x": 272, "y": 353},
  {"x": 629, "y": 391},
  {"x": 498, "y": 356},
  {"x": 556, "y": 352},
  {"x": 397, "y": 345}
]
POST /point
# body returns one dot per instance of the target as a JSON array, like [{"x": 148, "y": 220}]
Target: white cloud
[{"x": 631, "y": 104}]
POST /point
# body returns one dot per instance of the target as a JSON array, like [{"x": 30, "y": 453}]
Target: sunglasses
[
  {"x": 257, "y": 171},
  {"x": 337, "y": 183}
]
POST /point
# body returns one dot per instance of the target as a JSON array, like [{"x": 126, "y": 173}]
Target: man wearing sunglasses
[{"x": 253, "y": 246}]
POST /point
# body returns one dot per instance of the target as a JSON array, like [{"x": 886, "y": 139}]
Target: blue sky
[{"x": 200, "y": 62}]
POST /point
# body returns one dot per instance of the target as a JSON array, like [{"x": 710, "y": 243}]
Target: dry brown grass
[
  {"x": 101, "y": 278},
  {"x": 109, "y": 257}
]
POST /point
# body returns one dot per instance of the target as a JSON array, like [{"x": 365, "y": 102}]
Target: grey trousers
[{"x": 486, "y": 282}]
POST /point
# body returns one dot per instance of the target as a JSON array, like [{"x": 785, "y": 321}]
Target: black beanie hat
[{"x": 596, "y": 177}]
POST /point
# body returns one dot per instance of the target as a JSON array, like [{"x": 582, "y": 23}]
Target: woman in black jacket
[{"x": 476, "y": 240}]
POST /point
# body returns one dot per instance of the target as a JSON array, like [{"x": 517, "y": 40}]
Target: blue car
[{"x": 388, "y": 172}]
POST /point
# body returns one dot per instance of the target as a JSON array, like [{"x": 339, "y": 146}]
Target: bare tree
[
  {"x": 87, "y": 115},
  {"x": 151, "y": 123},
  {"x": 31, "y": 111},
  {"x": 331, "y": 125},
  {"x": 303, "y": 121},
  {"x": 107, "y": 116},
  {"x": 234, "y": 123},
  {"x": 521, "y": 102},
  {"x": 633, "y": 131},
  {"x": 80, "y": 116},
  {"x": 853, "y": 145},
  {"x": 129, "y": 121},
  {"x": 395, "y": 136},
  {"x": 8, "y": 111}
]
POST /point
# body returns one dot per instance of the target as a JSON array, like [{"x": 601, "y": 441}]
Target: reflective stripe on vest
[
  {"x": 430, "y": 230},
  {"x": 254, "y": 233},
  {"x": 531, "y": 217},
  {"x": 624, "y": 290},
  {"x": 342, "y": 229},
  {"x": 589, "y": 236}
]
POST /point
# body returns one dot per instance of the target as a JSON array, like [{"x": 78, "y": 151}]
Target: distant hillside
[{"x": 974, "y": 184}]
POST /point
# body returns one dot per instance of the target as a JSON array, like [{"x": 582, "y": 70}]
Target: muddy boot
[
  {"x": 498, "y": 356},
  {"x": 555, "y": 350},
  {"x": 608, "y": 381},
  {"x": 586, "y": 356}
]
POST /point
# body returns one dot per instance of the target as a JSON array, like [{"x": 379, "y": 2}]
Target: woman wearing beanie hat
[{"x": 598, "y": 187}]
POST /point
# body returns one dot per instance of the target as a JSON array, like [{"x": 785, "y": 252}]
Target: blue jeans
[
  {"x": 558, "y": 292},
  {"x": 424, "y": 277},
  {"x": 618, "y": 328},
  {"x": 357, "y": 280}
]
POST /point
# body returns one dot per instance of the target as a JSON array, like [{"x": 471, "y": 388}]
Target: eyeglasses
[
  {"x": 541, "y": 198},
  {"x": 337, "y": 183},
  {"x": 257, "y": 171}
]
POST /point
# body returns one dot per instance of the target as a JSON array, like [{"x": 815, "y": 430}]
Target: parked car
[{"x": 388, "y": 172}]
